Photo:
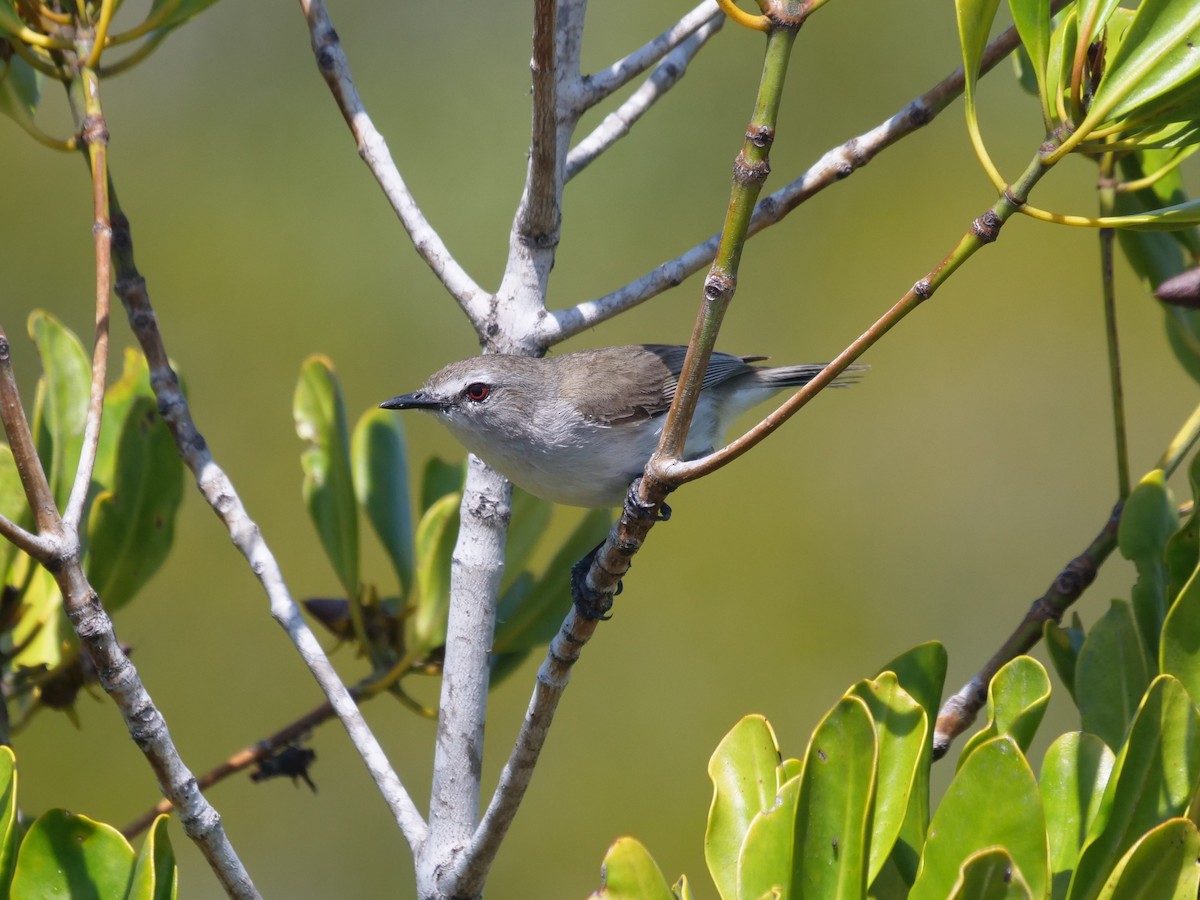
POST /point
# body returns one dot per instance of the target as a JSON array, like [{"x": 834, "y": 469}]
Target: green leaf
[
  {"x": 1017, "y": 698},
  {"x": 185, "y": 10},
  {"x": 682, "y": 890},
  {"x": 10, "y": 22},
  {"x": 328, "y": 488},
  {"x": 380, "y": 467},
  {"x": 1154, "y": 69},
  {"x": 532, "y": 619},
  {"x": 134, "y": 383},
  {"x": 1063, "y": 646},
  {"x": 1074, "y": 774},
  {"x": 436, "y": 534},
  {"x": 764, "y": 866},
  {"x": 833, "y": 811},
  {"x": 1153, "y": 779},
  {"x": 1179, "y": 652},
  {"x": 1147, "y": 523},
  {"x": 131, "y": 527},
  {"x": 1112, "y": 674},
  {"x": 1162, "y": 864},
  {"x": 41, "y": 624},
  {"x": 1032, "y": 19},
  {"x": 527, "y": 525},
  {"x": 20, "y": 88},
  {"x": 62, "y": 405},
  {"x": 993, "y": 801},
  {"x": 922, "y": 674},
  {"x": 9, "y": 824},
  {"x": 743, "y": 771},
  {"x": 990, "y": 875},
  {"x": 64, "y": 855},
  {"x": 439, "y": 479},
  {"x": 902, "y": 732},
  {"x": 155, "y": 876},
  {"x": 1183, "y": 547},
  {"x": 975, "y": 19},
  {"x": 12, "y": 505},
  {"x": 630, "y": 873}
]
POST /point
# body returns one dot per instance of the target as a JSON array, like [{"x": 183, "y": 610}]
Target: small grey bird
[{"x": 578, "y": 428}]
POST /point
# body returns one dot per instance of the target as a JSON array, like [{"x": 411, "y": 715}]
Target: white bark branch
[
  {"x": 219, "y": 492},
  {"x": 599, "y": 85},
  {"x": 332, "y": 63},
  {"x": 665, "y": 76}
]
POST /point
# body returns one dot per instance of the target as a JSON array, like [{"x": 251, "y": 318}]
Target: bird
[{"x": 577, "y": 428}]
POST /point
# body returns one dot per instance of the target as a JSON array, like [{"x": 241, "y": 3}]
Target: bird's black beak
[{"x": 415, "y": 400}]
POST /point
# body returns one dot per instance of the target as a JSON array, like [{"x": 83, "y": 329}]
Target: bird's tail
[{"x": 796, "y": 376}]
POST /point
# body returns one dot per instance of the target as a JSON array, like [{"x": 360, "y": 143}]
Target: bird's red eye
[{"x": 477, "y": 391}]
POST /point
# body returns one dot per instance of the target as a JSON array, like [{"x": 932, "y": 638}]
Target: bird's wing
[{"x": 721, "y": 367}]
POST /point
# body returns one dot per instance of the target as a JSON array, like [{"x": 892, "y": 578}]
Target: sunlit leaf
[
  {"x": 922, "y": 674},
  {"x": 155, "y": 876},
  {"x": 990, "y": 875},
  {"x": 630, "y": 873},
  {"x": 328, "y": 487},
  {"x": 440, "y": 478},
  {"x": 1017, "y": 698},
  {"x": 1155, "y": 67},
  {"x": 1162, "y": 751},
  {"x": 1162, "y": 864},
  {"x": 833, "y": 812},
  {"x": 65, "y": 855},
  {"x": 902, "y": 732},
  {"x": 1074, "y": 775},
  {"x": 742, "y": 769},
  {"x": 436, "y": 534},
  {"x": 993, "y": 801}
]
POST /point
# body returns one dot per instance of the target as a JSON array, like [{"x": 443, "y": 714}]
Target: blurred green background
[{"x": 932, "y": 501}]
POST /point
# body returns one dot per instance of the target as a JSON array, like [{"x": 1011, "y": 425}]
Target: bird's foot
[
  {"x": 637, "y": 508},
  {"x": 589, "y": 602}
]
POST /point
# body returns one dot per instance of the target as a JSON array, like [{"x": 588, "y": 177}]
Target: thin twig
[
  {"x": 665, "y": 76},
  {"x": 32, "y": 544},
  {"x": 219, "y": 492},
  {"x": 238, "y": 762},
  {"x": 332, "y": 63},
  {"x": 600, "y": 85},
  {"x": 94, "y": 134},
  {"x": 539, "y": 215},
  {"x": 836, "y": 165},
  {"x": 959, "y": 711}
]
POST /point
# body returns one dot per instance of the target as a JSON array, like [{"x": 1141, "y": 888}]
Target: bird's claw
[
  {"x": 637, "y": 508},
  {"x": 589, "y": 602}
]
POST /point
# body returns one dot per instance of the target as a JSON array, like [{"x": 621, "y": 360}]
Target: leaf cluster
[
  {"x": 61, "y": 854},
  {"x": 1113, "y": 814},
  {"x": 135, "y": 493}
]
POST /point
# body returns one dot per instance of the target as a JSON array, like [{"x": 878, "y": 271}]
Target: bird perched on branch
[{"x": 579, "y": 427}]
